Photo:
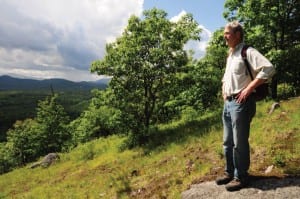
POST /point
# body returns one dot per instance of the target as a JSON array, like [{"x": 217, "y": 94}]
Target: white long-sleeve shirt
[{"x": 237, "y": 77}]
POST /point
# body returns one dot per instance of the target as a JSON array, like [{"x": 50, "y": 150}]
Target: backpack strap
[{"x": 244, "y": 56}]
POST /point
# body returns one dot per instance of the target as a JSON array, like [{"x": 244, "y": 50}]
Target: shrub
[{"x": 285, "y": 90}]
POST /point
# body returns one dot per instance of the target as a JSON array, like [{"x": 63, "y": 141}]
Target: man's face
[{"x": 231, "y": 38}]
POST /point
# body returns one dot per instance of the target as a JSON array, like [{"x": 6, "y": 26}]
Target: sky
[{"x": 61, "y": 38}]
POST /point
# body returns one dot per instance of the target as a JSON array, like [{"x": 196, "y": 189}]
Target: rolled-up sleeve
[
  {"x": 266, "y": 72},
  {"x": 262, "y": 67}
]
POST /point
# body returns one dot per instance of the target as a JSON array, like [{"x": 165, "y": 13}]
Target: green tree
[
  {"x": 143, "y": 64},
  {"x": 52, "y": 126},
  {"x": 24, "y": 140},
  {"x": 203, "y": 79},
  {"x": 212, "y": 68},
  {"x": 7, "y": 159},
  {"x": 272, "y": 25},
  {"x": 217, "y": 51}
]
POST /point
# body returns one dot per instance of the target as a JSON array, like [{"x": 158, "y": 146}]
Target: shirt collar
[{"x": 239, "y": 47}]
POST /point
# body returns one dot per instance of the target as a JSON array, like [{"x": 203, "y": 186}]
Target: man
[{"x": 239, "y": 105}]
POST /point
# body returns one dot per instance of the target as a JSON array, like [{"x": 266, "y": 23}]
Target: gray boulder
[{"x": 46, "y": 161}]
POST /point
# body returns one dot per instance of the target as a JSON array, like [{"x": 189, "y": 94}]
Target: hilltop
[
  {"x": 11, "y": 83},
  {"x": 190, "y": 153}
]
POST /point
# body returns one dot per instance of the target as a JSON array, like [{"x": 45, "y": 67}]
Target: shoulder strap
[{"x": 244, "y": 56}]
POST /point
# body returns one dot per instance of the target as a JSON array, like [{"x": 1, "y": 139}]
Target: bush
[
  {"x": 24, "y": 141},
  {"x": 7, "y": 160},
  {"x": 94, "y": 123},
  {"x": 285, "y": 91},
  {"x": 189, "y": 114}
]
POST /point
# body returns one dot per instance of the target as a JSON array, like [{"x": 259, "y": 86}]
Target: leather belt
[{"x": 231, "y": 97}]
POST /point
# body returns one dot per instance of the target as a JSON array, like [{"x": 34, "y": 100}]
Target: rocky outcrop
[{"x": 279, "y": 188}]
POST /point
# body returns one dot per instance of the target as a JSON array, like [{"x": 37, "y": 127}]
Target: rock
[
  {"x": 273, "y": 107},
  {"x": 279, "y": 188},
  {"x": 47, "y": 160},
  {"x": 269, "y": 169}
]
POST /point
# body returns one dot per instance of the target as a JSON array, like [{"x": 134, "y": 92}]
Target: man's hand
[
  {"x": 244, "y": 94},
  {"x": 224, "y": 96}
]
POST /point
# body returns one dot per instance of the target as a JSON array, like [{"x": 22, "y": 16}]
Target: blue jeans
[{"x": 236, "y": 121}]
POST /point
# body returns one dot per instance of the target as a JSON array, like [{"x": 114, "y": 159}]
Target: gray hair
[{"x": 235, "y": 26}]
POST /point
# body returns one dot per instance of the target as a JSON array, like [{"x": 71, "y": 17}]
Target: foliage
[
  {"x": 52, "y": 125},
  {"x": 207, "y": 85},
  {"x": 97, "y": 121},
  {"x": 287, "y": 66},
  {"x": 25, "y": 141},
  {"x": 203, "y": 78},
  {"x": 143, "y": 64},
  {"x": 29, "y": 139},
  {"x": 286, "y": 91},
  {"x": 17, "y": 105},
  {"x": 275, "y": 33},
  {"x": 7, "y": 161},
  {"x": 20, "y": 105},
  {"x": 216, "y": 52}
]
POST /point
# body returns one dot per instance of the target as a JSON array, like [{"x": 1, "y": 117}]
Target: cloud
[
  {"x": 198, "y": 47},
  {"x": 59, "y": 39},
  {"x": 178, "y": 17}
]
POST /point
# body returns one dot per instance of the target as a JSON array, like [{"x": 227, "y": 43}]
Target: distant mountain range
[{"x": 11, "y": 83}]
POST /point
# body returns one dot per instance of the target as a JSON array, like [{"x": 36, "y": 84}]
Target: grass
[{"x": 183, "y": 153}]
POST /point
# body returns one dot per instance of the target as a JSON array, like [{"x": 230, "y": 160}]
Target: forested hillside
[
  {"x": 19, "y": 105},
  {"x": 19, "y": 97}
]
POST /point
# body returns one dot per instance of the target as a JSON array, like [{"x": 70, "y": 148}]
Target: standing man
[{"x": 239, "y": 105}]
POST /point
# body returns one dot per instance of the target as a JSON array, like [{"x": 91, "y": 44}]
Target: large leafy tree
[
  {"x": 143, "y": 63},
  {"x": 273, "y": 26}
]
